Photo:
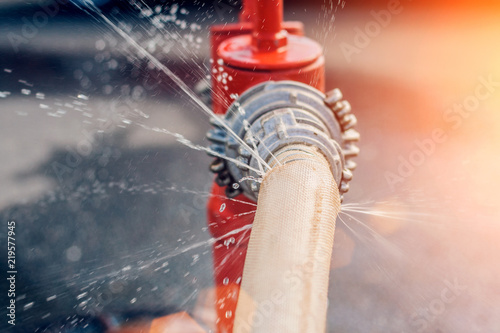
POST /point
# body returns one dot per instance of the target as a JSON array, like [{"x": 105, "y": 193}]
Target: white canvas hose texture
[{"x": 285, "y": 279}]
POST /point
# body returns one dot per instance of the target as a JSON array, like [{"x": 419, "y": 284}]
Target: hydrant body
[{"x": 260, "y": 48}]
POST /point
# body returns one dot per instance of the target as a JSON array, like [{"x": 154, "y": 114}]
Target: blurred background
[{"x": 110, "y": 206}]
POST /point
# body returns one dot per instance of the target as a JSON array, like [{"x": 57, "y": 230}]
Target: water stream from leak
[{"x": 142, "y": 52}]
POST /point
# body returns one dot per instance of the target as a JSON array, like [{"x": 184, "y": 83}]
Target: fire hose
[
  {"x": 308, "y": 141},
  {"x": 285, "y": 277}
]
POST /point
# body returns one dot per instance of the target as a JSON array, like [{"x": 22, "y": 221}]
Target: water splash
[{"x": 142, "y": 52}]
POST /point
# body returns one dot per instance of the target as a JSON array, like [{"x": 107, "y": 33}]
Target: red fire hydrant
[{"x": 259, "y": 48}]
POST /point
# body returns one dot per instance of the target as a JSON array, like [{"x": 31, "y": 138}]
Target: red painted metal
[
  {"x": 260, "y": 48},
  {"x": 239, "y": 80},
  {"x": 247, "y": 11},
  {"x": 268, "y": 34},
  {"x": 228, "y": 221},
  {"x": 222, "y": 32}
]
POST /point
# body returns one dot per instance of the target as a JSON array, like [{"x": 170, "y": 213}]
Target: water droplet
[
  {"x": 229, "y": 314},
  {"x": 25, "y": 91},
  {"x": 100, "y": 45},
  {"x": 25, "y": 83},
  {"x": 82, "y": 295},
  {"x": 107, "y": 89},
  {"x": 28, "y": 306},
  {"x": 225, "y": 281},
  {"x": 222, "y": 207},
  {"x": 138, "y": 93},
  {"x": 87, "y": 66},
  {"x": 195, "y": 257},
  {"x": 113, "y": 64},
  {"x": 229, "y": 241},
  {"x": 40, "y": 95},
  {"x": 146, "y": 12},
  {"x": 246, "y": 125},
  {"x": 78, "y": 74},
  {"x": 81, "y": 96},
  {"x": 133, "y": 300},
  {"x": 236, "y": 186},
  {"x": 73, "y": 253}
]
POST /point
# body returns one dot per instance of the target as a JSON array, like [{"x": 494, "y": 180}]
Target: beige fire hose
[{"x": 284, "y": 286}]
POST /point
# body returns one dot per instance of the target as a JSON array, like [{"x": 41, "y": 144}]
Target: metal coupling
[{"x": 274, "y": 115}]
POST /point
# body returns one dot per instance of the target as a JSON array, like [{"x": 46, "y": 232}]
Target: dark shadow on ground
[{"x": 112, "y": 236}]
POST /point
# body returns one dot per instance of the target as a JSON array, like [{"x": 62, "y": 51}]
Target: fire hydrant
[{"x": 262, "y": 48}]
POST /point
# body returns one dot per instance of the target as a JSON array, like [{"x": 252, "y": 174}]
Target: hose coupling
[{"x": 272, "y": 116}]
